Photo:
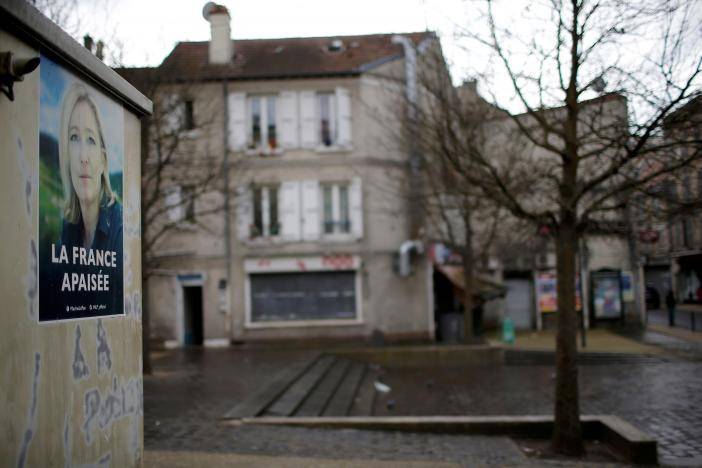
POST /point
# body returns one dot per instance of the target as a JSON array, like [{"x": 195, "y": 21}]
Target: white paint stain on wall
[
  {"x": 80, "y": 367},
  {"x": 104, "y": 354},
  {"x": 101, "y": 411},
  {"x": 32, "y": 420}
]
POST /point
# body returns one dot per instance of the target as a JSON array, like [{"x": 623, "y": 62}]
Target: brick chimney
[{"x": 221, "y": 47}]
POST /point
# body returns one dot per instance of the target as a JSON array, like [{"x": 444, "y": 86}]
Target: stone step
[
  {"x": 255, "y": 403},
  {"x": 320, "y": 396},
  {"x": 342, "y": 400},
  {"x": 548, "y": 358},
  {"x": 296, "y": 393},
  {"x": 362, "y": 404}
]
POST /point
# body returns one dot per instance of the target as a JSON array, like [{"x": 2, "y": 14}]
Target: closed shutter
[
  {"x": 244, "y": 212},
  {"x": 518, "y": 303},
  {"x": 308, "y": 121},
  {"x": 237, "y": 121},
  {"x": 356, "y": 207},
  {"x": 343, "y": 99},
  {"x": 173, "y": 112},
  {"x": 289, "y": 203},
  {"x": 310, "y": 210},
  {"x": 289, "y": 137},
  {"x": 324, "y": 295},
  {"x": 174, "y": 203}
]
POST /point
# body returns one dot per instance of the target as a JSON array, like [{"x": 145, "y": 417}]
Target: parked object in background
[
  {"x": 670, "y": 303},
  {"x": 653, "y": 299}
]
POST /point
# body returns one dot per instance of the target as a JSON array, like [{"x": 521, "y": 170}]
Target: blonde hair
[{"x": 71, "y": 209}]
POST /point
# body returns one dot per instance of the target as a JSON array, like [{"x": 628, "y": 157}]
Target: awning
[{"x": 485, "y": 287}]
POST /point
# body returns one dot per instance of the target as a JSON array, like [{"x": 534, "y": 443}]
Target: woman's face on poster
[{"x": 87, "y": 163}]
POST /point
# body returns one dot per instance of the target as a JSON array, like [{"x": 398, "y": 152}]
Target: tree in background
[
  {"x": 580, "y": 161},
  {"x": 569, "y": 138},
  {"x": 83, "y": 19},
  {"x": 182, "y": 184}
]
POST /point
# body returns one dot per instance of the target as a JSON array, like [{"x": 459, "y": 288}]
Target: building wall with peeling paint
[{"x": 71, "y": 391}]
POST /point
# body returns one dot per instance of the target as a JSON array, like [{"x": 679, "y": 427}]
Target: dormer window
[{"x": 336, "y": 45}]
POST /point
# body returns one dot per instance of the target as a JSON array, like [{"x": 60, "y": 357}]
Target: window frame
[
  {"x": 340, "y": 228},
  {"x": 267, "y": 205},
  {"x": 333, "y": 116},
  {"x": 263, "y": 145}
]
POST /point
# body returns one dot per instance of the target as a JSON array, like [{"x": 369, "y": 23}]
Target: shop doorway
[{"x": 192, "y": 316}]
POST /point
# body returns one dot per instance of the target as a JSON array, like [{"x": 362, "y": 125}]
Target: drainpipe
[
  {"x": 414, "y": 207},
  {"x": 227, "y": 218},
  {"x": 405, "y": 249}
]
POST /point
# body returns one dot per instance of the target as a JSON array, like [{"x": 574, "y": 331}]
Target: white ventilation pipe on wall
[{"x": 406, "y": 250}]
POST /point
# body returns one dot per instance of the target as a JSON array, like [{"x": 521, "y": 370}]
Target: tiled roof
[
  {"x": 142, "y": 78},
  {"x": 284, "y": 58}
]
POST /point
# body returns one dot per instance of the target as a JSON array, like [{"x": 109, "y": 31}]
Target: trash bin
[{"x": 508, "y": 331}]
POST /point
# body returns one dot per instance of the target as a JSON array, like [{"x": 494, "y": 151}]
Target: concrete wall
[{"x": 71, "y": 392}]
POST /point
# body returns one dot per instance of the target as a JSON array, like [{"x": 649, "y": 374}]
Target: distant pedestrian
[{"x": 670, "y": 302}]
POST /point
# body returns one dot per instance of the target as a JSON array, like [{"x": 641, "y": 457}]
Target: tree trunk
[
  {"x": 567, "y": 435},
  {"x": 468, "y": 291},
  {"x": 468, "y": 281}
]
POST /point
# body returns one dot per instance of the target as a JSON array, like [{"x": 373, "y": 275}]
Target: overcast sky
[
  {"x": 145, "y": 31},
  {"x": 150, "y": 28}
]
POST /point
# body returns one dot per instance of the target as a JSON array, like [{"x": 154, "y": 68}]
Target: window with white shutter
[
  {"x": 289, "y": 135},
  {"x": 289, "y": 210},
  {"x": 262, "y": 123},
  {"x": 308, "y": 121},
  {"x": 174, "y": 204},
  {"x": 343, "y": 99},
  {"x": 342, "y": 213},
  {"x": 310, "y": 210},
  {"x": 172, "y": 113},
  {"x": 326, "y": 119},
  {"x": 266, "y": 222},
  {"x": 244, "y": 212},
  {"x": 335, "y": 209},
  {"x": 236, "y": 106},
  {"x": 356, "y": 207}
]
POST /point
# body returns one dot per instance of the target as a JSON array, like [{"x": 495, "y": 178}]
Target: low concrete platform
[{"x": 631, "y": 444}]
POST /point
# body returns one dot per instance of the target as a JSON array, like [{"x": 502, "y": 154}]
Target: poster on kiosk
[
  {"x": 81, "y": 154},
  {"x": 606, "y": 294}
]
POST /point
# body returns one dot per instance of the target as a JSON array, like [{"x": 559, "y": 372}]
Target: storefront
[{"x": 303, "y": 291}]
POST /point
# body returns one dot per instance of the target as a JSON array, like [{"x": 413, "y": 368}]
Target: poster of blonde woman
[{"x": 81, "y": 134}]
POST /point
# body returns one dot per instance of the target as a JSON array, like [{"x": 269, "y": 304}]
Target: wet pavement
[
  {"x": 663, "y": 400},
  {"x": 683, "y": 319},
  {"x": 192, "y": 389}
]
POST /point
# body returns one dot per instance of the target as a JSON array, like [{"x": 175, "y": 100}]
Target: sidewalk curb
[
  {"x": 632, "y": 444},
  {"x": 685, "y": 335}
]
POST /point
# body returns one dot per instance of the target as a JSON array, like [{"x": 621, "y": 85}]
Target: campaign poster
[
  {"x": 547, "y": 292},
  {"x": 81, "y": 165},
  {"x": 607, "y": 294},
  {"x": 627, "y": 281}
]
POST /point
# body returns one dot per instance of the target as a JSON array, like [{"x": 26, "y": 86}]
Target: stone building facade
[{"x": 316, "y": 192}]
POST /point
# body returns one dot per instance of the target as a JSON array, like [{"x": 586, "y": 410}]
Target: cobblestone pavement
[
  {"x": 190, "y": 390},
  {"x": 664, "y": 400}
]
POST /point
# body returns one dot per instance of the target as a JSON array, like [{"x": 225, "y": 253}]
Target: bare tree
[
  {"x": 580, "y": 161},
  {"x": 181, "y": 172},
  {"x": 596, "y": 83}
]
